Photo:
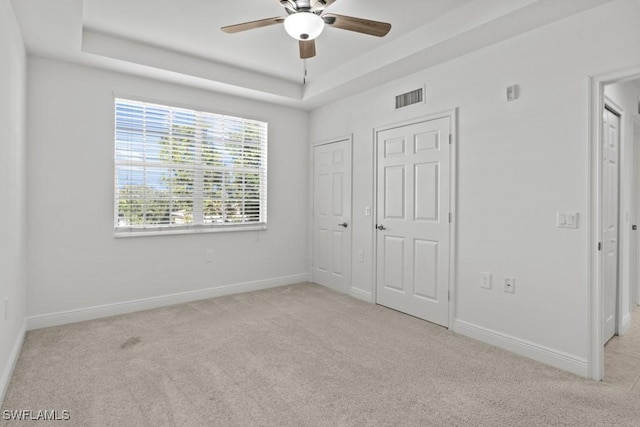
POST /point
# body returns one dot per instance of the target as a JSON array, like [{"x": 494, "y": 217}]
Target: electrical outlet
[
  {"x": 209, "y": 255},
  {"x": 485, "y": 280},
  {"x": 509, "y": 284}
]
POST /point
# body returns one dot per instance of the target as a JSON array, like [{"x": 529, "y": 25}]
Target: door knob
[
  {"x": 344, "y": 224},
  {"x": 381, "y": 227}
]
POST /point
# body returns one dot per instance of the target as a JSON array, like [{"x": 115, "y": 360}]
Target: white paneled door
[
  {"x": 635, "y": 283},
  {"x": 413, "y": 228},
  {"x": 610, "y": 197},
  {"x": 332, "y": 215}
]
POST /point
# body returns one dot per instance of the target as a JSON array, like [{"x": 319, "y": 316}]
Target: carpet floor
[{"x": 298, "y": 355}]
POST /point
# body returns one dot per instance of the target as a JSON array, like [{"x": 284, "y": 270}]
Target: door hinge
[
  {"x": 449, "y": 295},
  {"x": 599, "y": 246},
  {"x": 450, "y": 139},
  {"x": 450, "y": 217}
]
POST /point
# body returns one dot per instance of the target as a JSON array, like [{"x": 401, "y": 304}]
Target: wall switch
[
  {"x": 509, "y": 284},
  {"x": 567, "y": 219},
  {"x": 485, "y": 280},
  {"x": 513, "y": 92},
  {"x": 367, "y": 211},
  {"x": 360, "y": 256},
  {"x": 209, "y": 255}
]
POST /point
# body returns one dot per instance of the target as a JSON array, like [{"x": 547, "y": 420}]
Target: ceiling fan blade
[
  {"x": 307, "y": 49},
  {"x": 290, "y": 5},
  {"x": 320, "y": 4},
  {"x": 359, "y": 25},
  {"x": 252, "y": 25}
]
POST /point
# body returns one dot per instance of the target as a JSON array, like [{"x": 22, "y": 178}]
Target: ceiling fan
[{"x": 305, "y": 22}]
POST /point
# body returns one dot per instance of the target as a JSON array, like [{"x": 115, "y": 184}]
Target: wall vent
[{"x": 410, "y": 98}]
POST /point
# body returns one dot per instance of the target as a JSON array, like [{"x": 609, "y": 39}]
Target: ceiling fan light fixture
[{"x": 304, "y": 25}]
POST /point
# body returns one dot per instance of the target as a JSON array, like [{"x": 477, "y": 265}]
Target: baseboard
[
  {"x": 546, "y": 355},
  {"x": 11, "y": 363},
  {"x": 333, "y": 288},
  {"x": 97, "y": 312},
  {"x": 626, "y": 324},
  {"x": 361, "y": 295}
]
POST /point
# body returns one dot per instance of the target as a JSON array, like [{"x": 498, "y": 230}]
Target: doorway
[
  {"x": 331, "y": 265},
  {"x": 611, "y": 288},
  {"x": 621, "y": 360},
  {"x": 414, "y": 212}
]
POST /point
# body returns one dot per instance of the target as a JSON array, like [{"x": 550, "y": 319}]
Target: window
[{"x": 182, "y": 170}]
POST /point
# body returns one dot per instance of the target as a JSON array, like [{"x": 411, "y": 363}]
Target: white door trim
[
  {"x": 452, "y": 116},
  {"x": 595, "y": 359},
  {"x": 310, "y": 231}
]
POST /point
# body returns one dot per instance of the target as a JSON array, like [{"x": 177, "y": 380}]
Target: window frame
[{"x": 196, "y": 227}]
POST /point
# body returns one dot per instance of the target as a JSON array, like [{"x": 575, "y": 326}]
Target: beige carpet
[{"x": 297, "y": 355}]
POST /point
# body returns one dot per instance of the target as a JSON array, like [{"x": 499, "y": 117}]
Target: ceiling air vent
[{"x": 410, "y": 98}]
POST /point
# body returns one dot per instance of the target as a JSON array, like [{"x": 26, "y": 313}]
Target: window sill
[{"x": 199, "y": 230}]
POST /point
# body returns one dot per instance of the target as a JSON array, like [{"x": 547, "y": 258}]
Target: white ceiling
[
  {"x": 193, "y": 26},
  {"x": 181, "y": 41}
]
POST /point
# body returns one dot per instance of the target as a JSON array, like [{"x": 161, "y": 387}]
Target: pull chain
[{"x": 304, "y": 74}]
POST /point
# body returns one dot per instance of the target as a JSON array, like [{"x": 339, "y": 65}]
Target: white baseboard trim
[
  {"x": 11, "y": 363},
  {"x": 107, "y": 310},
  {"x": 546, "y": 355},
  {"x": 361, "y": 295},
  {"x": 626, "y": 324},
  {"x": 333, "y": 288}
]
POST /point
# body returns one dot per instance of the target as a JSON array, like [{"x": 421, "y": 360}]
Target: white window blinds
[{"x": 179, "y": 169}]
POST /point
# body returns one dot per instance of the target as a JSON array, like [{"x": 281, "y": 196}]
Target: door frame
[
  {"x": 596, "y": 85},
  {"x": 452, "y": 115},
  {"x": 311, "y": 232}
]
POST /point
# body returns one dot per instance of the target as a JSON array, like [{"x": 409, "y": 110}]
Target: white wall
[
  {"x": 626, "y": 96},
  {"x": 74, "y": 260},
  {"x": 12, "y": 192},
  {"x": 518, "y": 164}
]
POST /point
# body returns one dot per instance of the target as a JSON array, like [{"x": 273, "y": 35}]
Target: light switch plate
[{"x": 567, "y": 219}]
